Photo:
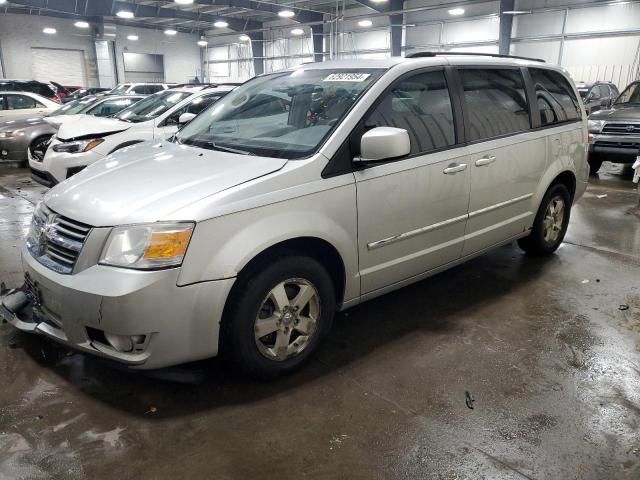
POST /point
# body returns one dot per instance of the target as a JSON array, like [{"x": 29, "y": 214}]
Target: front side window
[
  {"x": 111, "y": 107},
  {"x": 630, "y": 95},
  {"x": 557, "y": 101},
  {"x": 151, "y": 107},
  {"x": 21, "y": 102},
  {"x": 284, "y": 115},
  {"x": 495, "y": 101},
  {"x": 420, "y": 105}
]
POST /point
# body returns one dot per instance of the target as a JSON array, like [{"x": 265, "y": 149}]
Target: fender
[{"x": 221, "y": 247}]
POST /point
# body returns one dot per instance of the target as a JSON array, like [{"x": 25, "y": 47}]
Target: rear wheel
[
  {"x": 278, "y": 316},
  {"x": 594, "y": 165},
  {"x": 551, "y": 222}
]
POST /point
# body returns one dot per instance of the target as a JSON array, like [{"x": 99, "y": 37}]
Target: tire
[
  {"x": 39, "y": 147},
  {"x": 548, "y": 228},
  {"x": 257, "y": 300},
  {"x": 594, "y": 165}
]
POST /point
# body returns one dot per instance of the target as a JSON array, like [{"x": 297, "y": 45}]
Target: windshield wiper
[{"x": 215, "y": 146}]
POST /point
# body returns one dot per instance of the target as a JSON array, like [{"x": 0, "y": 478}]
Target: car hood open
[
  {"x": 149, "y": 181},
  {"x": 83, "y": 126}
]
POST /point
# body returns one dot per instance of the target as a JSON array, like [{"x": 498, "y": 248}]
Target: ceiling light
[
  {"x": 3, "y": 1},
  {"x": 515, "y": 12},
  {"x": 124, "y": 14},
  {"x": 456, "y": 11},
  {"x": 378, "y": 1},
  {"x": 220, "y": 24},
  {"x": 203, "y": 43},
  {"x": 170, "y": 31},
  {"x": 49, "y": 30},
  {"x": 183, "y": 2},
  {"x": 244, "y": 38},
  {"x": 297, "y": 31},
  {"x": 81, "y": 24},
  {"x": 286, "y": 13},
  {"x": 132, "y": 37},
  {"x": 365, "y": 23}
]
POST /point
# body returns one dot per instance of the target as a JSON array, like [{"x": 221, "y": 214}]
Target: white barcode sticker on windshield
[{"x": 346, "y": 77}]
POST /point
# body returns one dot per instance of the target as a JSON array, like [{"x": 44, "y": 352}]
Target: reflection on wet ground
[{"x": 543, "y": 346}]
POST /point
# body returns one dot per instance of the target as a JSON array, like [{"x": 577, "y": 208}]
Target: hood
[
  {"x": 16, "y": 123},
  {"x": 78, "y": 126},
  {"x": 147, "y": 182},
  {"x": 58, "y": 120},
  {"x": 618, "y": 112}
]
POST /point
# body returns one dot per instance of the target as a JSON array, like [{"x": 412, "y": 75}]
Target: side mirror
[
  {"x": 186, "y": 118},
  {"x": 384, "y": 143}
]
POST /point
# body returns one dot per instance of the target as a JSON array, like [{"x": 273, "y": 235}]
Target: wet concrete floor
[{"x": 542, "y": 346}]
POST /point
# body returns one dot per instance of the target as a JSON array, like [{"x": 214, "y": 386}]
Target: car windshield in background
[
  {"x": 583, "y": 92},
  {"x": 630, "y": 95},
  {"x": 152, "y": 106},
  {"x": 71, "y": 108},
  {"x": 121, "y": 88},
  {"x": 285, "y": 115}
]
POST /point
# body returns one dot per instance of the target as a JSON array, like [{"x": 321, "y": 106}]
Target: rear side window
[
  {"x": 421, "y": 105},
  {"x": 556, "y": 99},
  {"x": 495, "y": 102}
]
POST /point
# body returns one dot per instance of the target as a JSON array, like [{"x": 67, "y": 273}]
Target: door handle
[
  {"x": 454, "y": 168},
  {"x": 485, "y": 161}
]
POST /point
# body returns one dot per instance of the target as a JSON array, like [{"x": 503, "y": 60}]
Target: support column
[
  {"x": 317, "y": 33},
  {"x": 395, "y": 22},
  {"x": 257, "y": 51},
  {"x": 506, "y": 24}
]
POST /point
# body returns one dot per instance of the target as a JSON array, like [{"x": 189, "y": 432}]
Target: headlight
[
  {"x": 78, "y": 146},
  {"x": 595, "y": 126},
  {"x": 148, "y": 246}
]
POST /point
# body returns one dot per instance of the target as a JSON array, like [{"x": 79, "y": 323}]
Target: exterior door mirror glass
[
  {"x": 186, "y": 118},
  {"x": 384, "y": 143}
]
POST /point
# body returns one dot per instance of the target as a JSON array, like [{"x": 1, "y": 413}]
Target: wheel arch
[
  {"x": 568, "y": 179},
  {"x": 124, "y": 144}
]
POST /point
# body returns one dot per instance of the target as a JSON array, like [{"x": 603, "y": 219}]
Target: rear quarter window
[{"x": 556, "y": 99}]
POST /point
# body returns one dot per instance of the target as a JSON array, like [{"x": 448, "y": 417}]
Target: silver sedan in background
[{"x": 29, "y": 136}]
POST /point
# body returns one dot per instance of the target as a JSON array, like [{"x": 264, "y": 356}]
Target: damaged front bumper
[
  {"x": 142, "y": 319},
  {"x": 21, "y": 308}
]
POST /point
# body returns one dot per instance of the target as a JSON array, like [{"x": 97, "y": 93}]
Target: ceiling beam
[
  {"x": 108, "y": 8},
  {"x": 302, "y": 15}
]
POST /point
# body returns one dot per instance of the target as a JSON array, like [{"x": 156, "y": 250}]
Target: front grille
[
  {"x": 629, "y": 144},
  {"x": 624, "y": 128},
  {"x": 55, "y": 240}
]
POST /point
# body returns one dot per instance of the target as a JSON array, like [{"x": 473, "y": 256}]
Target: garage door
[{"x": 66, "y": 67}]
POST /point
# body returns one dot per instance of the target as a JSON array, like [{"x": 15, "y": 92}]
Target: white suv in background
[
  {"x": 139, "y": 88},
  {"x": 356, "y": 178},
  {"x": 85, "y": 139}
]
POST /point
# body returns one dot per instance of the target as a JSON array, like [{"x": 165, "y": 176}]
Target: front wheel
[
  {"x": 278, "y": 316},
  {"x": 551, "y": 222}
]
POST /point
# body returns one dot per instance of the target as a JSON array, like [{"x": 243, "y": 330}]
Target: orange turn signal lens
[{"x": 167, "y": 244}]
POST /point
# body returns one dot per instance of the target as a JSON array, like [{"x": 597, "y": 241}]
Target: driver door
[{"x": 412, "y": 212}]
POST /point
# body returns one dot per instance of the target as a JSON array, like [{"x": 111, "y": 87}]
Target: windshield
[
  {"x": 631, "y": 94},
  {"x": 121, "y": 88},
  {"x": 284, "y": 115},
  {"x": 71, "y": 108},
  {"x": 152, "y": 106}
]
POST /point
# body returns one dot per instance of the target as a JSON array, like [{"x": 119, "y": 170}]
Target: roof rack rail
[{"x": 473, "y": 54}]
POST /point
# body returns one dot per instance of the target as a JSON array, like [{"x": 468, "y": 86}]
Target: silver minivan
[{"x": 300, "y": 193}]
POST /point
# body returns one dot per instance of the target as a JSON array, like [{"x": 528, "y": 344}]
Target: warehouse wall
[
  {"x": 20, "y": 33},
  {"x": 181, "y": 53}
]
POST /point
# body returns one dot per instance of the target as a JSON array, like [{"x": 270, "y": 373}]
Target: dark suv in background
[
  {"x": 597, "y": 96},
  {"x": 614, "y": 134},
  {"x": 33, "y": 86}
]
